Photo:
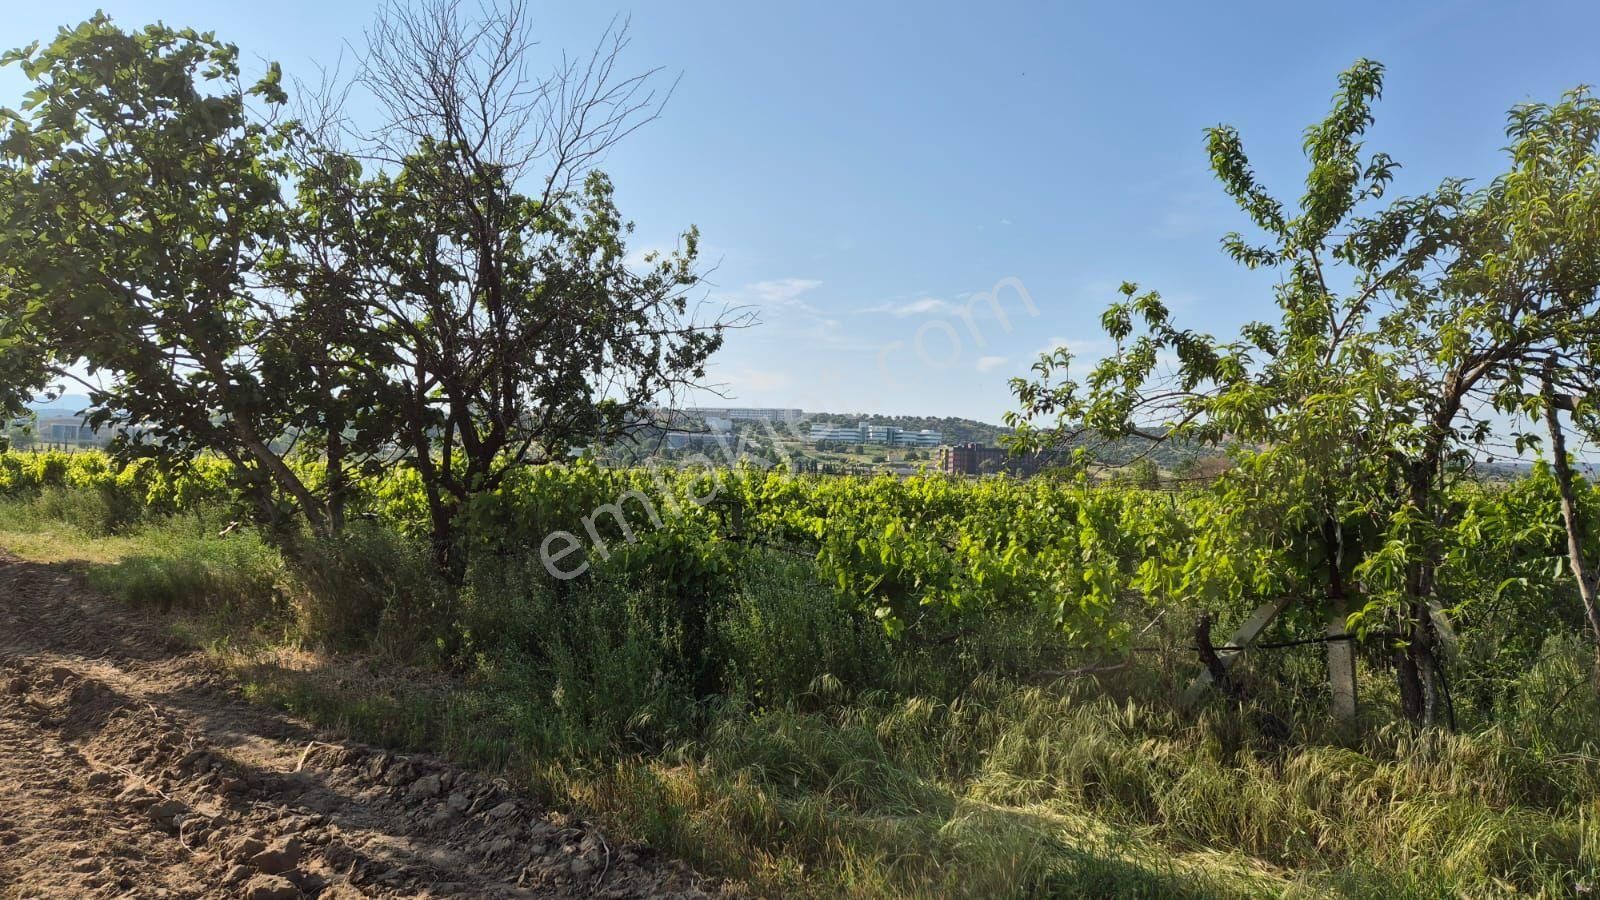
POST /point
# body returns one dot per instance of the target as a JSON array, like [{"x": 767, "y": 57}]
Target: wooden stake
[
  {"x": 1247, "y": 633},
  {"x": 1341, "y": 664}
]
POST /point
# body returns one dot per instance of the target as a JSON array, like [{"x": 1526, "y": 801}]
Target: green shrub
[
  {"x": 786, "y": 636},
  {"x": 96, "y": 511},
  {"x": 371, "y": 587},
  {"x": 586, "y": 666},
  {"x": 1554, "y": 705}
]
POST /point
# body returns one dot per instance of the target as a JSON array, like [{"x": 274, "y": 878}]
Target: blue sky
[{"x": 860, "y": 174}]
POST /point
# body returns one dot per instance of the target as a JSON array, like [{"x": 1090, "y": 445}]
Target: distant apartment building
[
  {"x": 68, "y": 431},
  {"x": 976, "y": 459},
  {"x": 883, "y": 435},
  {"x": 843, "y": 434},
  {"x": 750, "y": 413},
  {"x": 722, "y": 440},
  {"x": 694, "y": 431}
]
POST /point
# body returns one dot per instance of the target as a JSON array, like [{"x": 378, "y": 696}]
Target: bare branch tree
[{"x": 479, "y": 273}]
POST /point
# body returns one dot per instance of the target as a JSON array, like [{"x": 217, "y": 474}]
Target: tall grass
[{"x": 162, "y": 562}]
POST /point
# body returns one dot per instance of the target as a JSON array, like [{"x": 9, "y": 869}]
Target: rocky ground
[{"x": 131, "y": 767}]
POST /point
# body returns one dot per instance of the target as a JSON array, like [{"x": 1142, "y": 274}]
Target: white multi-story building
[
  {"x": 923, "y": 438},
  {"x": 749, "y": 413},
  {"x": 886, "y": 435},
  {"x": 844, "y": 434},
  {"x": 723, "y": 441},
  {"x": 71, "y": 431}
]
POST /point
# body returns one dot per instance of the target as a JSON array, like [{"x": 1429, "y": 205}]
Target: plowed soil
[{"x": 131, "y": 766}]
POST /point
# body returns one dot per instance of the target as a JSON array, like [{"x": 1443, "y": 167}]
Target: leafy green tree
[
  {"x": 1351, "y": 415},
  {"x": 480, "y": 276},
  {"x": 1536, "y": 258},
  {"x": 141, "y": 196},
  {"x": 1143, "y": 473},
  {"x": 453, "y": 294},
  {"x": 1513, "y": 326}
]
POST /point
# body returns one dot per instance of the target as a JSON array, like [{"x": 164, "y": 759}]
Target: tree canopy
[
  {"x": 1403, "y": 325},
  {"x": 450, "y": 292}
]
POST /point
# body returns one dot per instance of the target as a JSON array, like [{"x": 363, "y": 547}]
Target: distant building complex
[
  {"x": 718, "y": 433},
  {"x": 976, "y": 459},
  {"x": 723, "y": 441},
  {"x": 886, "y": 435},
  {"x": 750, "y": 413},
  {"x": 59, "y": 431}
]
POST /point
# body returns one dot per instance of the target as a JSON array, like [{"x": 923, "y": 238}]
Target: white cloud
[
  {"x": 782, "y": 291},
  {"x": 1179, "y": 223},
  {"x": 924, "y": 306},
  {"x": 1188, "y": 214},
  {"x": 999, "y": 302},
  {"x": 821, "y": 332},
  {"x": 787, "y": 316},
  {"x": 986, "y": 363}
]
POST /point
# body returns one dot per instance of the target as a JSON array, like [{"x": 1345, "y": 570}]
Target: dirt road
[{"x": 131, "y": 767}]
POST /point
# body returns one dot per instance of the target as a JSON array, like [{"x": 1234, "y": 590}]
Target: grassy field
[{"x": 837, "y": 762}]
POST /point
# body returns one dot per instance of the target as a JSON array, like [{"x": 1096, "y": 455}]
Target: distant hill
[
  {"x": 1518, "y": 468},
  {"x": 1172, "y": 455},
  {"x": 64, "y": 405}
]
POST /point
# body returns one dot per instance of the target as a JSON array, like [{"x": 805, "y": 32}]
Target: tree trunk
[
  {"x": 1410, "y": 684},
  {"x": 447, "y": 557},
  {"x": 1572, "y": 517},
  {"x": 1419, "y": 673},
  {"x": 270, "y": 462},
  {"x": 336, "y": 479},
  {"x": 285, "y": 478},
  {"x": 1427, "y": 664},
  {"x": 1209, "y": 658}
]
